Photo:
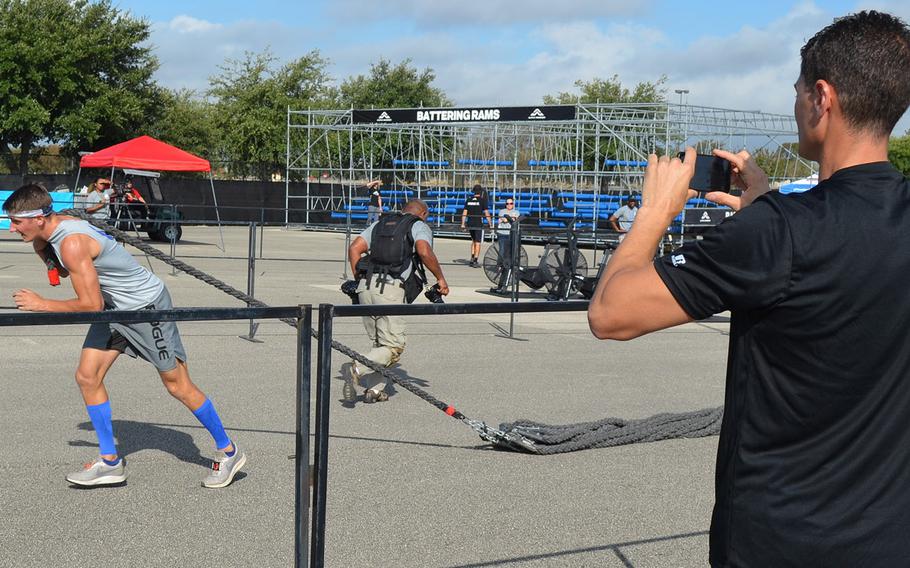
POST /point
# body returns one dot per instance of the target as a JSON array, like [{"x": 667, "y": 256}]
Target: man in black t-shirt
[
  {"x": 472, "y": 216},
  {"x": 813, "y": 462},
  {"x": 374, "y": 209}
]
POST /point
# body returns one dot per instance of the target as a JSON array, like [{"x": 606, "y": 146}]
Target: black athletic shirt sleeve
[{"x": 744, "y": 263}]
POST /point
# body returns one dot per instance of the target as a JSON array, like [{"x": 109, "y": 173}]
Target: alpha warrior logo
[
  {"x": 705, "y": 218},
  {"x": 537, "y": 115},
  {"x": 678, "y": 259},
  {"x": 384, "y": 117}
]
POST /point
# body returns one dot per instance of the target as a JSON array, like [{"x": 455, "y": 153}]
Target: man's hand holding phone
[
  {"x": 666, "y": 185},
  {"x": 746, "y": 175}
]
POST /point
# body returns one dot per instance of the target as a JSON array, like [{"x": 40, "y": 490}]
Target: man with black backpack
[{"x": 388, "y": 260}]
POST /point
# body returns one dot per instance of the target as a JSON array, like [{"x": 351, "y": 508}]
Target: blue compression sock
[
  {"x": 100, "y": 414},
  {"x": 208, "y": 416}
]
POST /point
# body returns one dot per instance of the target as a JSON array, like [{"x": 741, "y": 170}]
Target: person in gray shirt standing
[
  {"x": 106, "y": 277},
  {"x": 622, "y": 219},
  {"x": 97, "y": 202}
]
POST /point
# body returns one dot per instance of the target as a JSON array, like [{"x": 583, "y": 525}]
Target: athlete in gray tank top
[
  {"x": 125, "y": 285},
  {"x": 105, "y": 276}
]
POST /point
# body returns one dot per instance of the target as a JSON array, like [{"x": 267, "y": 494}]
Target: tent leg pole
[{"x": 217, "y": 213}]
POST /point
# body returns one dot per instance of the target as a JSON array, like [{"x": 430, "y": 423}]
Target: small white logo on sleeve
[{"x": 678, "y": 259}]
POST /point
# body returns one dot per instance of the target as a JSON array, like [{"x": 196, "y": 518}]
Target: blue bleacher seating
[
  {"x": 544, "y": 224},
  {"x": 354, "y": 216}
]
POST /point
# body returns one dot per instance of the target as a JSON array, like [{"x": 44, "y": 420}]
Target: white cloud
[{"x": 189, "y": 24}]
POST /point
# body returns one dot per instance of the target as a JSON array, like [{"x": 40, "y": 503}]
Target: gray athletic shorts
[{"x": 157, "y": 342}]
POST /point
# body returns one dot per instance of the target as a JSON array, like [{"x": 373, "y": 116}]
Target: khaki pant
[{"x": 387, "y": 332}]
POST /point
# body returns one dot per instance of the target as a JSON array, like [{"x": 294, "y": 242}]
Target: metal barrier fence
[
  {"x": 327, "y": 314},
  {"x": 309, "y": 521},
  {"x": 307, "y": 518},
  {"x": 303, "y": 314}
]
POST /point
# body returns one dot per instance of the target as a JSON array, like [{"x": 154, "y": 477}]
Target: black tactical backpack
[{"x": 392, "y": 253}]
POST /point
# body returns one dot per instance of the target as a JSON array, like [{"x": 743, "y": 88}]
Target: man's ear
[{"x": 824, "y": 98}]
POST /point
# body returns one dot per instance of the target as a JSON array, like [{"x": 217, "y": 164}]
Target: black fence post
[
  {"x": 302, "y": 478},
  {"x": 251, "y": 282},
  {"x": 320, "y": 454},
  {"x": 261, "y": 230},
  {"x": 173, "y": 238},
  {"x": 515, "y": 267}
]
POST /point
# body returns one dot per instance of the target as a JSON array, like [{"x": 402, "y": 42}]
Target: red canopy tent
[{"x": 147, "y": 153}]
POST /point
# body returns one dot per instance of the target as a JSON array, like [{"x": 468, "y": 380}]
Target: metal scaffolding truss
[{"x": 603, "y": 149}]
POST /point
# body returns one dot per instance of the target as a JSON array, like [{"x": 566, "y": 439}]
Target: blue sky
[{"x": 742, "y": 55}]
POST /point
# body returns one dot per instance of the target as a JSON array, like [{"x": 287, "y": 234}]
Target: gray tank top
[{"x": 125, "y": 285}]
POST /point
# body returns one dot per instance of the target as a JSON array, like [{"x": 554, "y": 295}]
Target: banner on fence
[{"x": 477, "y": 114}]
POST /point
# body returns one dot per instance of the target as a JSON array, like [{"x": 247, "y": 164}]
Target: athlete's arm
[
  {"x": 77, "y": 252},
  {"x": 43, "y": 250},
  {"x": 631, "y": 299},
  {"x": 464, "y": 218},
  {"x": 357, "y": 249},
  {"x": 429, "y": 260}
]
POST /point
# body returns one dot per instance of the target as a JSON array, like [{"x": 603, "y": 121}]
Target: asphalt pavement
[{"x": 408, "y": 486}]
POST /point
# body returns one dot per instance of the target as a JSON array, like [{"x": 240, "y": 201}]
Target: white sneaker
[
  {"x": 99, "y": 473},
  {"x": 223, "y": 471}
]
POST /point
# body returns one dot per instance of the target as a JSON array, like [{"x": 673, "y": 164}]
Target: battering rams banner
[{"x": 479, "y": 114}]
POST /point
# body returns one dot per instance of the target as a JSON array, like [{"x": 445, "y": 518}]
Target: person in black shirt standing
[
  {"x": 475, "y": 209},
  {"x": 374, "y": 209},
  {"x": 813, "y": 462}
]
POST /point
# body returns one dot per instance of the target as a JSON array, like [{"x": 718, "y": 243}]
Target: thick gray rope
[
  {"x": 617, "y": 431},
  {"x": 523, "y": 435}
]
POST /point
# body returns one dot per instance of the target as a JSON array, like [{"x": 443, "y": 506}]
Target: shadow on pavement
[
  {"x": 615, "y": 548},
  {"x": 133, "y": 437}
]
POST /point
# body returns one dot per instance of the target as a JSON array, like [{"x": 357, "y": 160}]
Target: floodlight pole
[{"x": 682, "y": 92}]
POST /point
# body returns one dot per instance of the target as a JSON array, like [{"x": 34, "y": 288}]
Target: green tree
[
  {"x": 187, "y": 121},
  {"x": 393, "y": 86},
  {"x": 899, "y": 153},
  {"x": 611, "y": 90},
  {"x": 252, "y": 96},
  {"x": 75, "y": 72}
]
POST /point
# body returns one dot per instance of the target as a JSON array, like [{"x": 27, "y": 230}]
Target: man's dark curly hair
[{"x": 866, "y": 57}]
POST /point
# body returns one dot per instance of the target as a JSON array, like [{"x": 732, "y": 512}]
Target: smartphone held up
[{"x": 711, "y": 173}]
